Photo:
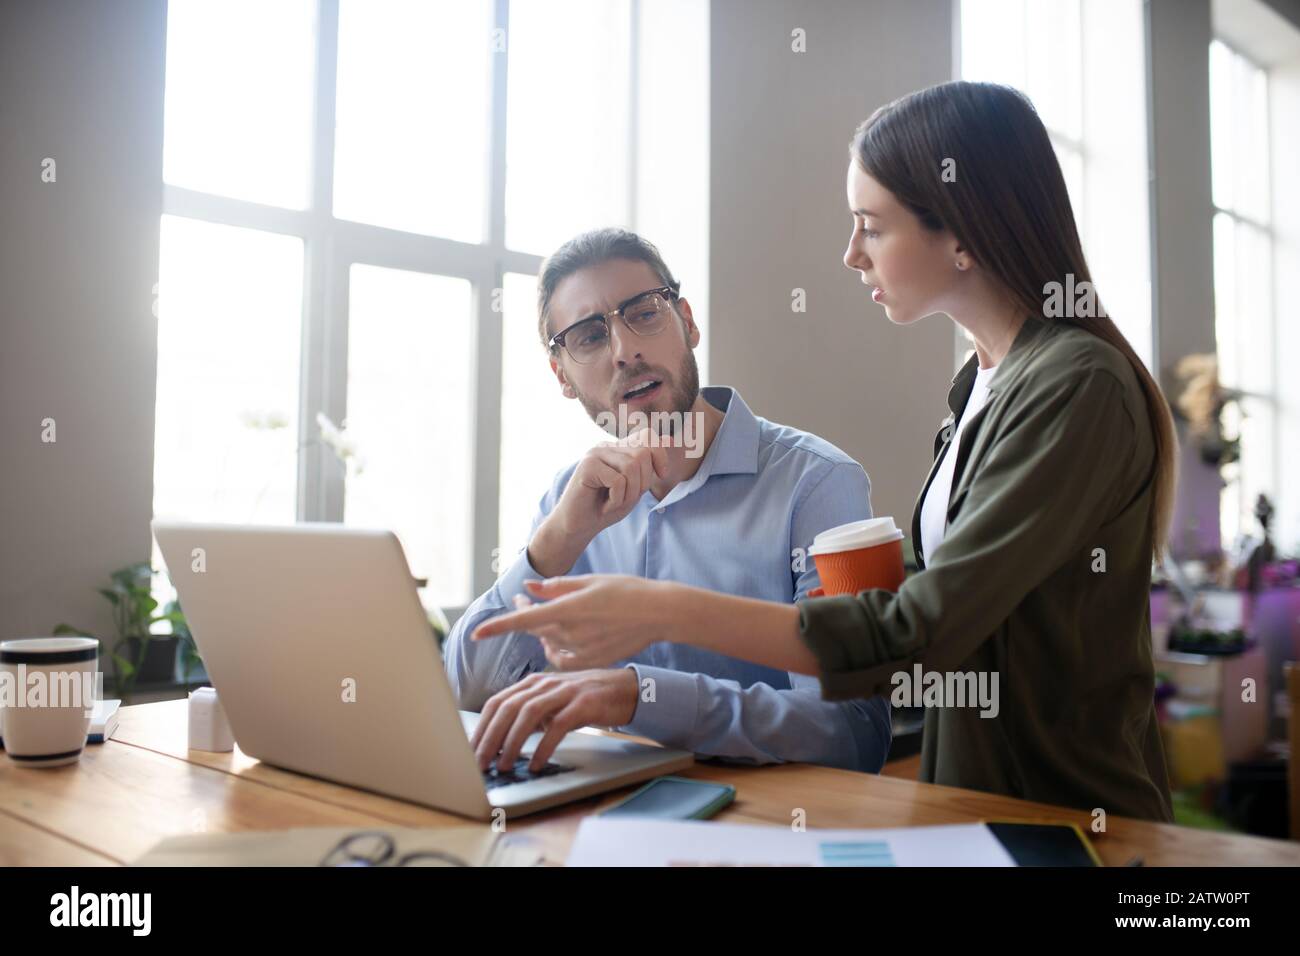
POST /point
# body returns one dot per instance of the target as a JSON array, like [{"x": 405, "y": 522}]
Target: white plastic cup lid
[{"x": 856, "y": 534}]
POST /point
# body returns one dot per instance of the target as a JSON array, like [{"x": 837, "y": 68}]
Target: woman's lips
[{"x": 877, "y": 294}]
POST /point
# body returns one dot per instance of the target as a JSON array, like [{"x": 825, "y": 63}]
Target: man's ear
[
  {"x": 688, "y": 317},
  {"x": 565, "y": 387}
]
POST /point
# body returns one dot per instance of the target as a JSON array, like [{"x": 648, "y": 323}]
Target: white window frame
[
  {"x": 332, "y": 246},
  {"x": 1078, "y": 148},
  {"x": 1061, "y": 142},
  {"x": 1267, "y": 231}
]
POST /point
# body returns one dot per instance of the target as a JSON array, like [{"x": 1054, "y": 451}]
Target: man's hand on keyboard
[{"x": 555, "y": 703}]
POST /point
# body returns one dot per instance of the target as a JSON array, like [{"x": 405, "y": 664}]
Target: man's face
[{"x": 666, "y": 359}]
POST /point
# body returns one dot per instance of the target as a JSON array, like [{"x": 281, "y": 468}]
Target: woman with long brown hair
[{"x": 1050, "y": 494}]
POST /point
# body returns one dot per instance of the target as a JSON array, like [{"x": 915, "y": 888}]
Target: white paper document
[{"x": 646, "y": 842}]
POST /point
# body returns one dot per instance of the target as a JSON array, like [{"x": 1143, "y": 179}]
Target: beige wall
[
  {"x": 80, "y": 82},
  {"x": 781, "y": 125}
]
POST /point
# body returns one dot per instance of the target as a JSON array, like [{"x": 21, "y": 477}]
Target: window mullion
[
  {"x": 324, "y": 341},
  {"x": 633, "y": 110},
  {"x": 488, "y": 331}
]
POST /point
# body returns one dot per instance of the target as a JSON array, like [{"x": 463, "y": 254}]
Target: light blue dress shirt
[{"x": 741, "y": 525}]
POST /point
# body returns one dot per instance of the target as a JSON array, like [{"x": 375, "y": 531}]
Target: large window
[
  {"x": 1083, "y": 64},
  {"x": 358, "y": 195},
  {"x": 1244, "y": 328}
]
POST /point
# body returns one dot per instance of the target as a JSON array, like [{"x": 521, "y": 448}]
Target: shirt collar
[
  {"x": 734, "y": 449},
  {"x": 1022, "y": 349},
  {"x": 1008, "y": 368},
  {"x": 962, "y": 383}
]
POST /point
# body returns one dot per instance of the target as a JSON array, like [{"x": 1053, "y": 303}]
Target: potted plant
[
  {"x": 188, "y": 650},
  {"x": 137, "y": 653},
  {"x": 1201, "y": 404}
]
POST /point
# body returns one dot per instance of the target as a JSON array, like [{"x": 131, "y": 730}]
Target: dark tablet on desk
[{"x": 1044, "y": 844}]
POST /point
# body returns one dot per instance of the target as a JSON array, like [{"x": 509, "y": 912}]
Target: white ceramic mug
[{"x": 50, "y": 686}]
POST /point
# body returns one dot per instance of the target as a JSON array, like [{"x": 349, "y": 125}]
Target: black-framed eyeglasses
[
  {"x": 644, "y": 314},
  {"x": 376, "y": 848}
]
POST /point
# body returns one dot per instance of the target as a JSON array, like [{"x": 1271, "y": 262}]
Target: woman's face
[{"x": 913, "y": 270}]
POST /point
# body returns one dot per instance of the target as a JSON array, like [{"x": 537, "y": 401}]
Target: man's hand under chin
[
  {"x": 555, "y": 703},
  {"x": 603, "y": 490}
]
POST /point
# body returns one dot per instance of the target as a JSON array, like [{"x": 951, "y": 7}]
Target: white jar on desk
[{"x": 209, "y": 729}]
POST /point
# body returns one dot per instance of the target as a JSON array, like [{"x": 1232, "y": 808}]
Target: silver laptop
[{"x": 326, "y": 664}]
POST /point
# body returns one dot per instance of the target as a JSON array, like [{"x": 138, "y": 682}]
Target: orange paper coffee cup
[{"x": 858, "y": 556}]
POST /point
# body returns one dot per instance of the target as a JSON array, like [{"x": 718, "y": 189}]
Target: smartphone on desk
[
  {"x": 674, "y": 798},
  {"x": 1043, "y": 843}
]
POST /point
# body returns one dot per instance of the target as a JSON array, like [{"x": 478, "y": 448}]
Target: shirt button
[{"x": 659, "y": 511}]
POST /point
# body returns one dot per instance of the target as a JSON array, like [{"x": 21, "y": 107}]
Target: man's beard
[{"x": 682, "y": 394}]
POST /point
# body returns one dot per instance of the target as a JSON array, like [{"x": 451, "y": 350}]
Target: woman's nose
[{"x": 855, "y": 258}]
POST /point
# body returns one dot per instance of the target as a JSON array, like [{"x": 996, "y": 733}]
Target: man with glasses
[{"x": 696, "y": 489}]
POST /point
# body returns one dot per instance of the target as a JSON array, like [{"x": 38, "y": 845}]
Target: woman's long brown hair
[{"x": 1005, "y": 200}]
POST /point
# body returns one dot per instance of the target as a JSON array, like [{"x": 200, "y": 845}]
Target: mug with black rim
[{"x": 48, "y": 688}]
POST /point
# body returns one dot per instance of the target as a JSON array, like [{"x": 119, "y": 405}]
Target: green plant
[
  {"x": 1202, "y": 403},
  {"x": 189, "y": 650},
  {"x": 134, "y": 615}
]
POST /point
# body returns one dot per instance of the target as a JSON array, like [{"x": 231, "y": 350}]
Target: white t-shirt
[{"x": 934, "y": 510}]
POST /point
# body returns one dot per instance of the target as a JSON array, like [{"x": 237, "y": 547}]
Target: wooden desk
[{"x": 145, "y": 784}]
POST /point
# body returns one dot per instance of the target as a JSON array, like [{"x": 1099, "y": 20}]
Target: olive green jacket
[{"x": 1042, "y": 579}]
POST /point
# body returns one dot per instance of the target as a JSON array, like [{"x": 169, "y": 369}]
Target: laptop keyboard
[{"x": 520, "y": 773}]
